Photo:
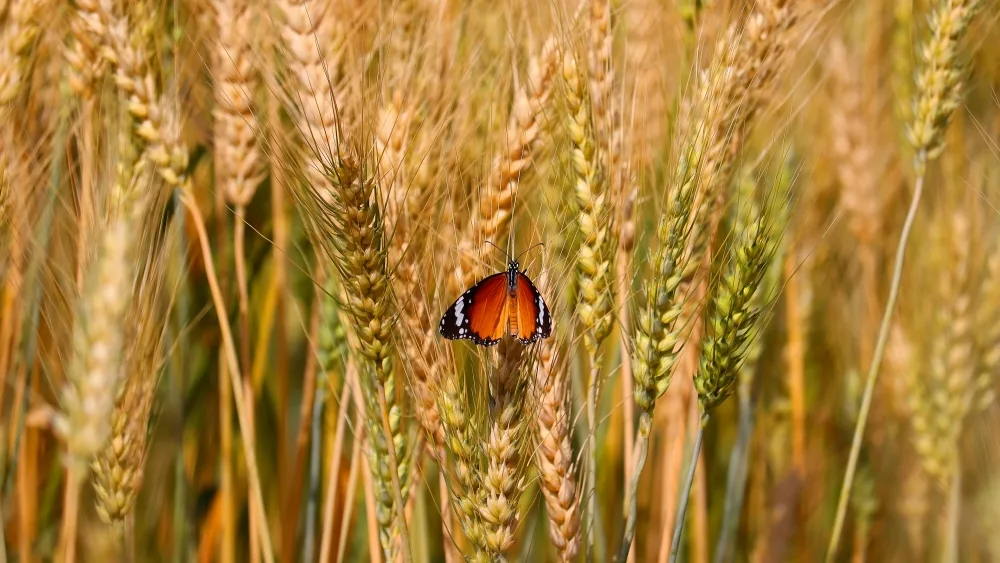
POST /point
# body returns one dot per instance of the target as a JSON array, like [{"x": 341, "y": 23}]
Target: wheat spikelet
[
  {"x": 522, "y": 138},
  {"x": 312, "y": 37},
  {"x": 604, "y": 106},
  {"x": 734, "y": 312},
  {"x": 18, "y": 35},
  {"x": 644, "y": 23},
  {"x": 503, "y": 477},
  {"x": 461, "y": 440},
  {"x": 901, "y": 51},
  {"x": 85, "y": 66},
  {"x": 554, "y": 455},
  {"x": 988, "y": 332},
  {"x": 939, "y": 79},
  {"x": 237, "y": 157},
  {"x": 157, "y": 128}
]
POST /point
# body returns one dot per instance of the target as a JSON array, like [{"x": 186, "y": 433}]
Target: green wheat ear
[{"x": 735, "y": 312}]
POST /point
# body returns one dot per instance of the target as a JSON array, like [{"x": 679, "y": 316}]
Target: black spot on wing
[{"x": 456, "y": 322}]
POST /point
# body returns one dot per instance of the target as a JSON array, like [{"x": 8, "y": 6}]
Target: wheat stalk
[
  {"x": 347, "y": 222},
  {"x": 734, "y": 318},
  {"x": 938, "y": 93},
  {"x": 595, "y": 255},
  {"x": 157, "y": 133}
]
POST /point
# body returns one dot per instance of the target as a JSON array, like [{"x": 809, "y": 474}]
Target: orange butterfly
[{"x": 504, "y": 303}]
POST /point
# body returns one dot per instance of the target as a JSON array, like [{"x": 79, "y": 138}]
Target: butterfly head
[{"x": 512, "y": 269}]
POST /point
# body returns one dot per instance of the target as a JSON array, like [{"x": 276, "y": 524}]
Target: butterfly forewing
[
  {"x": 480, "y": 314},
  {"x": 534, "y": 319}
]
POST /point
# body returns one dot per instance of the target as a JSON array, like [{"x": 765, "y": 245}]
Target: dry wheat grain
[
  {"x": 238, "y": 164},
  {"x": 939, "y": 85},
  {"x": 503, "y": 476},
  {"x": 554, "y": 455}
]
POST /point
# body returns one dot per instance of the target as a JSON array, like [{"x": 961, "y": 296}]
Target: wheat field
[{"x": 767, "y": 233}]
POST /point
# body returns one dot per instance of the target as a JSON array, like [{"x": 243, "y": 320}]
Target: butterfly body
[{"x": 506, "y": 303}]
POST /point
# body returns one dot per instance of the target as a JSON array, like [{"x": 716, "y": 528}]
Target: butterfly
[{"x": 504, "y": 303}]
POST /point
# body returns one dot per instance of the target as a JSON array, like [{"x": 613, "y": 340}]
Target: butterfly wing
[
  {"x": 533, "y": 318},
  {"x": 480, "y": 314}
]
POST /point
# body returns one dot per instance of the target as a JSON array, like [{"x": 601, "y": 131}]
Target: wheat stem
[
  {"x": 641, "y": 450},
  {"x": 873, "y": 370},
  {"x": 397, "y": 489},
  {"x": 686, "y": 490},
  {"x": 329, "y": 508},
  {"x": 591, "y": 488},
  {"x": 235, "y": 379},
  {"x": 75, "y": 475},
  {"x": 950, "y": 552}
]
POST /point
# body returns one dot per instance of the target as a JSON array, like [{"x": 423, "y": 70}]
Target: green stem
[
  {"x": 315, "y": 453},
  {"x": 592, "y": 455},
  {"x": 950, "y": 554},
  {"x": 641, "y": 449},
  {"x": 737, "y": 477},
  {"x": 883, "y": 337},
  {"x": 675, "y": 545},
  {"x": 397, "y": 489}
]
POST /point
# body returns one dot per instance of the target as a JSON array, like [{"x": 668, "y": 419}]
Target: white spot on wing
[{"x": 459, "y": 307}]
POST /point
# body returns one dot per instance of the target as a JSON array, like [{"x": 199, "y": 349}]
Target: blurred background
[{"x": 229, "y": 229}]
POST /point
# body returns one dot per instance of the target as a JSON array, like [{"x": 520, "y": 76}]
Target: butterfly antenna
[
  {"x": 498, "y": 248},
  {"x": 532, "y": 247}
]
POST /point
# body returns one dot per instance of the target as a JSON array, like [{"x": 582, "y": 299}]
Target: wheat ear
[
  {"x": 942, "y": 391},
  {"x": 311, "y": 37},
  {"x": 461, "y": 440},
  {"x": 554, "y": 455},
  {"x": 95, "y": 370},
  {"x": 119, "y": 466},
  {"x": 734, "y": 319},
  {"x": 504, "y": 477}
]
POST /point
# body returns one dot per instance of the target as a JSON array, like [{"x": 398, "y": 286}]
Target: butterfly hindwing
[
  {"x": 480, "y": 314},
  {"x": 534, "y": 318}
]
